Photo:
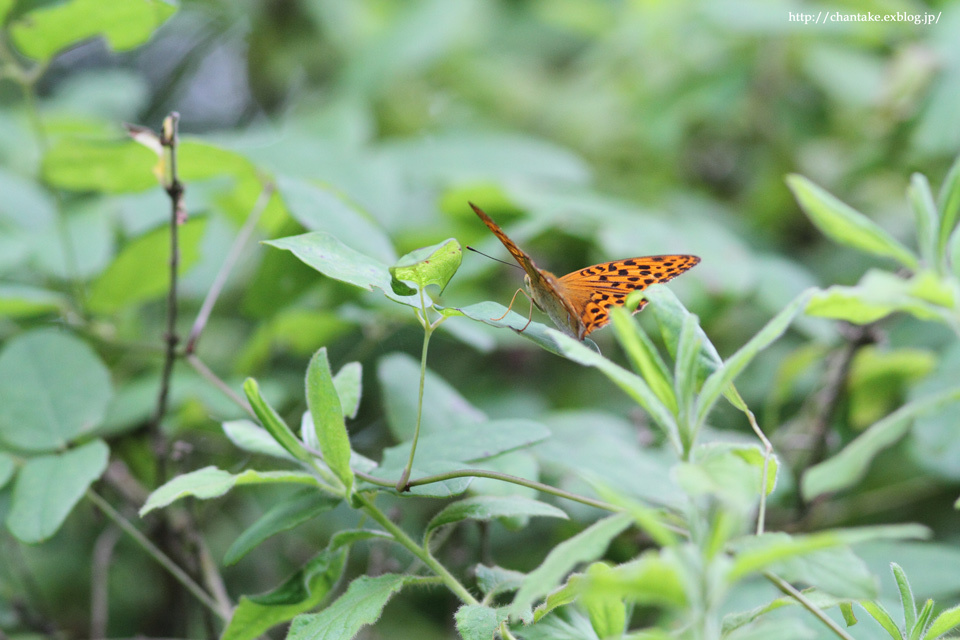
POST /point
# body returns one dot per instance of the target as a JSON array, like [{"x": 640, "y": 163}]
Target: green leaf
[
  {"x": 324, "y": 404},
  {"x": 907, "y": 600},
  {"x": 348, "y": 382},
  {"x": 923, "y": 619},
  {"x": 478, "y": 622},
  {"x": 23, "y": 301},
  {"x": 653, "y": 578},
  {"x": 48, "y": 487},
  {"x": 361, "y": 605},
  {"x": 607, "y": 612},
  {"x": 8, "y": 466},
  {"x": 949, "y": 206},
  {"x": 947, "y": 621},
  {"x": 644, "y": 357},
  {"x": 273, "y": 423},
  {"x": 845, "y": 225},
  {"x": 255, "y": 439},
  {"x": 303, "y": 591},
  {"x": 927, "y": 217},
  {"x": 292, "y": 512},
  {"x": 435, "y": 264},
  {"x": 107, "y": 166},
  {"x": 685, "y": 373},
  {"x": 496, "y": 580},
  {"x": 332, "y": 258},
  {"x": 630, "y": 383},
  {"x": 719, "y": 380},
  {"x": 125, "y": 25},
  {"x": 490, "y": 507},
  {"x": 847, "y": 467},
  {"x": 849, "y": 617},
  {"x": 881, "y": 615},
  {"x": 321, "y": 208},
  {"x": 5, "y": 6},
  {"x": 733, "y": 621},
  {"x": 53, "y": 389},
  {"x": 485, "y": 312},
  {"x": 140, "y": 272},
  {"x": 880, "y": 293},
  {"x": 211, "y": 482},
  {"x": 587, "y": 545}
]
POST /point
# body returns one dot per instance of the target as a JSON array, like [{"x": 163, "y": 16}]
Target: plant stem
[
  {"x": 205, "y": 371},
  {"x": 427, "y": 332},
  {"x": 179, "y": 574},
  {"x": 794, "y": 593},
  {"x": 400, "y": 536}
]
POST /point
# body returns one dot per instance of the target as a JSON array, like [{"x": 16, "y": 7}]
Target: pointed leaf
[
  {"x": 273, "y": 423},
  {"x": 947, "y": 621},
  {"x": 927, "y": 217},
  {"x": 949, "y": 206},
  {"x": 435, "y": 264},
  {"x": 348, "y": 382},
  {"x": 907, "y": 600},
  {"x": 881, "y": 615},
  {"x": 324, "y": 404},
  {"x": 490, "y": 507},
  {"x": 644, "y": 357}
]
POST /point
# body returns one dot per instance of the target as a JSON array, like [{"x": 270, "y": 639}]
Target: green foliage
[{"x": 561, "y": 506}]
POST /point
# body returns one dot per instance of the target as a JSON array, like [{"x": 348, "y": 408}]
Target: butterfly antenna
[{"x": 509, "y": 264}]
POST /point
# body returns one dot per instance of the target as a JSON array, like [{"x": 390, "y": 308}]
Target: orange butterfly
[{"x": 580, "y": 302}]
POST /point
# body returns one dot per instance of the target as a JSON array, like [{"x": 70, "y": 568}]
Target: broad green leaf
[
  {"x": 644, "y": 357},
  {"x": 348, "y": 382},
  {"x": 587, "y": 545},
  {"x": 496, "y": 580},
  {"x": 759, "y": 552},
  {"x": 907, "y": 600},
  {"x": 847, "y": 467},
  {"x": 927, "y": 218},
  {"x": 109, "y": 166},
  {"x": 361, "y": 605},
  {"x": 140, "y": 272},
  {"x": 949, "y": 206},
  {"x": 630, "y": 383},
  {"x": 324, "y": 405},
  {"x": 125, "y": 25},
  {"x": 423, "y": 467},
  {"x": 881, "y": 615},
  {"x": 607, "y": 612},
  {"x": 947, "y": 621},
  {"x": 211, "y": 482},
  {"x": 490, "y": 507},
  {"x": 53, "y": 389},
  {"x": 7, "y": 468},
  {"x": 23, "y": 301},
  {"x": 536, "y": 332},
  {"x": 291, "y": 512},
  {"x": 334, "y": 259},
  {"x": 273, "y": 423},
  {"x": 648, "y": 520},
  {"x": 478, "y": 622},
  {"x": 685, "y": 375},
  {"x": 719, "y": 380},
  {"x": 819, "y": 599},
  {"x": 654, "y": 578},
  {"x": 303, "y": 591},
  {"x": 845, "y": 225},
  {"x": 880, "y": 293},
  {"x": 255, "y": 439},
  {"x": 48, "y": 487},
  {"x": 322, "y": 208},
  {"x": 434, "y": 265}
]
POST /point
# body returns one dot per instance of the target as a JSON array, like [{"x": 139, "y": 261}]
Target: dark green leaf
[{"x": 490, "y": 507}]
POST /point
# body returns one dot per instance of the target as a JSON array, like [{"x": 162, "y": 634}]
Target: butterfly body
[{"x": 580, "y": 302}]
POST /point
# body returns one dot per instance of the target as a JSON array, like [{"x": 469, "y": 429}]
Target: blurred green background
[{"x": 591, "y": 130}]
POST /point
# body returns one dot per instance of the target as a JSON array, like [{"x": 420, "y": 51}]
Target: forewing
[{"x": 594, "y": 290}]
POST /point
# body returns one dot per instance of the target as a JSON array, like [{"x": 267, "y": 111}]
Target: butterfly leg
[{"x": 529, "y": 317}]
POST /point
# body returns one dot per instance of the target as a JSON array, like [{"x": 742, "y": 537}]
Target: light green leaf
[
  {"x": 324, "y": 405},
  {"x": 361, "y": 605},
  {"x": 927, "y": 217},
  {"x": 536, "y": 332},
  {"x": 273, "y": 423},
  {"x": 48, "y": 487},
  {"x": 303, "y": 591},
  {"x": 845, "y": 225},
  {"x": 291, "y": 512},
  {"x": 644, "y": 356},
  {"x": 332, "y": 258},
  {"x": 949, "y": 206},
  {"x": 139, "y": 273},
  {"x": 23, "y": 301},
  {"x": 880, "y": 293},
  {"x": 53, "y": 389},
  {"x": 847, "y": 467},
  {"x": 907, "y": 600},
  {"x": 255, "y": 439},
  {"x": 7, "y": 468},
  {"x": 719, "y": 380},
  {"x": 322, "y": 208},
  {"x": 478, "y": 622},
  {"x": 211, "y": 482},
  {"x": 125, "y": 25},
  {"x": 881, "y": 615},
  {"x": 496, "y": 580},
  {"x": 947, "y": 621},
  {"x": 109, "y": 166},
  {"x": 654, "y": 578},
  {"x": 490, "y": 507},
  {"x": 587, "y": 545},
  {"x": 5, "y": 6},
  {"x": 348, "y": 382},
  {"x": 435, "y": 264},
  {"x": 607, "y": 612}
]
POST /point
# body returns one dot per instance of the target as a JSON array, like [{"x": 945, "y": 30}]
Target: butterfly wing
[
  {"x": 593, "y": 291},
  {"x": 544, "y": 286}
]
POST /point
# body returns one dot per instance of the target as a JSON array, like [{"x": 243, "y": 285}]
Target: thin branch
[
  {"x": 161, "y": 558},
  {"x": 100, "y": 581},
  {"x": 795, "y": 593},
  {"x": 205, "y": 371},
  {"x": 229, "y": 262}
]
